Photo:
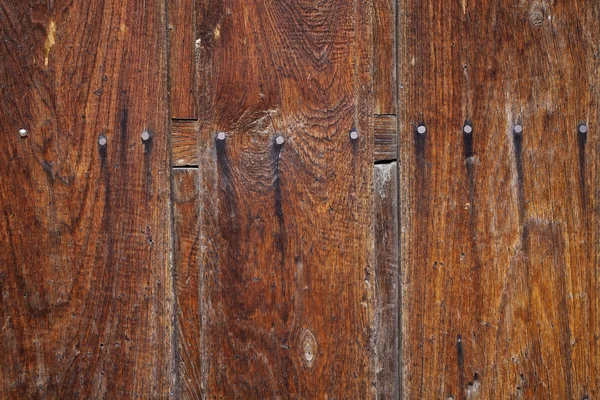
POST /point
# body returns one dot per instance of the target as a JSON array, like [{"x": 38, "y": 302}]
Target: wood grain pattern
[
  {"x": 85, "y": 276},
  {"x": 500, "y": 253},
  {"x": 384, "y": 49},
  {"x": 287, "y": 229},
  {"x": 185, "y": 141},
  {"x": 386, "y": 281},
  {"x": 182, "y": 65},
  {"x": 187, "y": 282}
]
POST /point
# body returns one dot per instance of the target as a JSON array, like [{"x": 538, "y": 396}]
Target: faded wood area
[
  {"x": 286, "y": 229},
  {"x": 85, "y": 276},
  {"x": 500, "y": 245}
]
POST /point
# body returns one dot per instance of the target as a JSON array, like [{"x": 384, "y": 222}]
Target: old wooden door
[{"x": 304, "y": 199}]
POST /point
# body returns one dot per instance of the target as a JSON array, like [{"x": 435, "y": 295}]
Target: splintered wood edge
[{"x": 185, "y": 133}]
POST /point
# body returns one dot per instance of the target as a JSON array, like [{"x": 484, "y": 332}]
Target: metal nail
[
  {"x": 468, "y": 129},
  {"x": 279, "y": 140},
  {"x": 421, "y": 129},
  {"x": 353, "y": 134},
  {"x": 102, "y": 140},
  {"x": 221, "y": 136},
  {"x": 23, "y": 133},
  {"x": 518, "y": 129},
  {"x": 583, "y": 128}
]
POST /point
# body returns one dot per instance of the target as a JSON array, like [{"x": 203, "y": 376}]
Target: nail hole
[
  {"x": 421, "y": 129},
  {"x": 23, "y": 133},
  {"x": 221, "y": 136}
]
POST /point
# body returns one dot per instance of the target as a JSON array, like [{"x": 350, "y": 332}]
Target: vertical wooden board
[
  {"x": 500, "y": 254},
  {"x": 287, "y": 228},
  {"x": 85, "y": 277},
  {"x": 386, "y": 280},
  {"x": 384, "y": 48},
  {"x": 187, "y": 282},
  {"x": 182, "y": 64}
]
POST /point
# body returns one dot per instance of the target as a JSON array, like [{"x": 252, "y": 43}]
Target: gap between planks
[{"x": 185, "y": 143}]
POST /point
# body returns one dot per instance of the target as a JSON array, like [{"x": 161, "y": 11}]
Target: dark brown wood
[
  {"x": 185, "y": 140},
  {"x": 182, "y": 65},
  {"x": 287, "y": 230},
  {"x": 85, "y": 277},
  {"x": 187, "y": 282},
  {"x": 500, "y": 255},
  {"x": 386, "y": 281},
  {"x": 384, "y": 70}
]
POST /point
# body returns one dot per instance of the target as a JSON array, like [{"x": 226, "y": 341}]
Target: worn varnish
[
  {"x": 500, "y": 254},
  {"x": 187, "y": 282},
  {"x": 286, "y": 247},
  {"x": 386, "y": 281},
  {"x": 85, "y": 274}
]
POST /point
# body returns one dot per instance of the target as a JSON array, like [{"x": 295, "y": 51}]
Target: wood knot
[
  {"x": 536, "y": 15},
  {"x": 308, "y": 348}
]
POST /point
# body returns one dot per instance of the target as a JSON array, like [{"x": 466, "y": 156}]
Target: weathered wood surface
[
  {"x": 187, "y": 282},
  {"x": 386, "y": 281},
  {"x": 185, "y": 141},
  {"x": 500, "y": 246},
  {"x": 287, "y": 229},
  {"x": 384, "y": 53},
  {"x": 85, "y": 275},
  {"x": 182, "y": 65}
]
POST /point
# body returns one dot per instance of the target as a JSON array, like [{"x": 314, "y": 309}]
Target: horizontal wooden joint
[{"x": 185, "y": 140}]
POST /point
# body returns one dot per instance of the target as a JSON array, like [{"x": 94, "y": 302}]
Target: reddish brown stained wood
[
  {"x": 386, "y": 280},
  {"x": 287, "y": 230},
  {"x": 185, "y": 140},
  {"x": 85, "y": 276},
  {"x": 187, "y": 281},
  {"x": 384, "y": 70},
  {"x": 182, "y": 61},
  {"x": 500, "y": 255}
]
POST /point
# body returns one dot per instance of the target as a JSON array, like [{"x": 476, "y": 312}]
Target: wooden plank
[
  {"x": 384, "y": 70},
  {"x": 386, "y": 139},
  {"x": 185, "y": 140},
  {"x": 85, "y": 278},
  {"x": 500, "y": 256},
  {"x": 287, "y": 229},
  {"x": 185, "y": 143},
  {"x": 386, "y": 281},
  {"x": 182, "y": 63},
  {"x": 187, "y": 281}
]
